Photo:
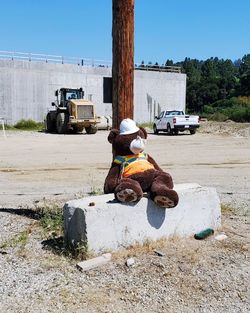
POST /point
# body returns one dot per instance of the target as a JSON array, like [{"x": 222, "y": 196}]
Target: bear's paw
[
  {"x": 127, "y": 195},
  {"x": 164, "y": 202}
]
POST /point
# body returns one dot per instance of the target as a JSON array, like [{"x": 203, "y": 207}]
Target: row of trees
[{"x": 216, "y": 84}]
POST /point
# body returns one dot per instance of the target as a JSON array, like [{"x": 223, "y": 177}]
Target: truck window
[
  {"x": 161, "y": 115},
  {"x": 174, "y": 113}
]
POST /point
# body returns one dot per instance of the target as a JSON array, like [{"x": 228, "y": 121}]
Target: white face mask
[{"x": 137, "y": 145}]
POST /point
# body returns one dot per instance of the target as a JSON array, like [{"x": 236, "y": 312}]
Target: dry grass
[{"x": 229, "y": 209}]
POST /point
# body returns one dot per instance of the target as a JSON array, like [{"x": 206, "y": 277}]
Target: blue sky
[{"x": 164, "y": 29}]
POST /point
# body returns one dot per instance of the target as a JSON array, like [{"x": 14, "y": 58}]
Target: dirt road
[{"x": 37, "y": 165}]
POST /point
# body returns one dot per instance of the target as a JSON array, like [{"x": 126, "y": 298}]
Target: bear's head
[{"x": 129, "y": 139}]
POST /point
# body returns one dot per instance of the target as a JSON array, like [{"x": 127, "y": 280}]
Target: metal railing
[
  {"x": 159, "y": 68},
  {"x": 49, "y": 58}
]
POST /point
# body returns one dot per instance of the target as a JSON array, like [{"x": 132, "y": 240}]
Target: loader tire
[
  {"x": 92, "y": 129},
  {"x": 62, "y": 123},
  {"x": 50, "y": 124}
]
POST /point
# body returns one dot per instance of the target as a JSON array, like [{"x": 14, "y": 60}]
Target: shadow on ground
[
  {"x": 55, "y": 245},
  {"x": 32, "y": 214}
]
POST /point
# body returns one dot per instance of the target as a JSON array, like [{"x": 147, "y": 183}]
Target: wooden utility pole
[{"x": 123, "y": 60}]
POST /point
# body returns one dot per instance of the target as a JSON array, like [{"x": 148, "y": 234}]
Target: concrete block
[
  {"x": 104, "y": 224},
  {"x": 96, "y": 262}
]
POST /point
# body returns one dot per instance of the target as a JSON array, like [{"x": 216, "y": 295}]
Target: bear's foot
[
  {"x": 164, "y": 202},
  {"x": 127, "y": 195}
]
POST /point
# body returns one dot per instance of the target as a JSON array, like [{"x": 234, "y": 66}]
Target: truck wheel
[
  {"x": 155, "y": 129},
  {"x": 62, "y": 123},
  {"x": 92, "y": 129},
  {"x": 169, "y": 130},
  {"x": 192, "y": 131},
  {"x": 50, "y": 124}
]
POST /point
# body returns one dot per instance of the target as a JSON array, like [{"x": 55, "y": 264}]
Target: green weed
[
  {"x": 50, "y": 217},
  {"x": 20, "y": 239},
  {"x": 29, "y": 125}
]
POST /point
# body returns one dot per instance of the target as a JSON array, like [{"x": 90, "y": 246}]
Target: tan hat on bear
[{"x": 128, "y": 126}]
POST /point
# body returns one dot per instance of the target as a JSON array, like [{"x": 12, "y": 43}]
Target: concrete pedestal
[{"x": 104, "y": 224}]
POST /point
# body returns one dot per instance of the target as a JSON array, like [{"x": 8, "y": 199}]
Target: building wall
[
  {"x": 27, "y": 89},
  {"x": 155, "y": 91}
]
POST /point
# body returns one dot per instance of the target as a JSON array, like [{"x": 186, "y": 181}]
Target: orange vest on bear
[{"x": 133, "y": 164}]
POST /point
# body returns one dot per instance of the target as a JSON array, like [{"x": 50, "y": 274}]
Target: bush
[
  {"x": 235, "y": 109},
  {"x": 241, "y": 114},
  {"x": 29, "y": 125},
  {"x": 226, "y": 103},
  {"x": 218, "y": 116},
  {"x": 208, "y": 109}
]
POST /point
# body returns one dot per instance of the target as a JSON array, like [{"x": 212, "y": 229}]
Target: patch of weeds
[
  {"x": 146, "y": 125},
  {"x": 20, "y": 239},
  {"x": 58, "y": 246},
  {"x": 51, "y": 218},
  {"x": 9, "y": 127},
  {"x": 81, "y": 251},
  {"x": 29, "y": 125},
  {"x": 95, "y": 191}
]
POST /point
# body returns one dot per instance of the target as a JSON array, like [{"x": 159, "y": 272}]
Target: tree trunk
[{"x": 123, "y": 60}]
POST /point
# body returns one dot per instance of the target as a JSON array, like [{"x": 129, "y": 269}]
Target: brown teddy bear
[{"x": 133, "y": 172}]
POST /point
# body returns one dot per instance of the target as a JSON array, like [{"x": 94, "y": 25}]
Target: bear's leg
[
  {"x": 161, "y": 191},
  {"x": 128, "y": 190}
]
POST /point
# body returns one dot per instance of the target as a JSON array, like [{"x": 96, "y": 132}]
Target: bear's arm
[
  {"x": 152, "y": 161},
  {"x": 112, "y": 178}
]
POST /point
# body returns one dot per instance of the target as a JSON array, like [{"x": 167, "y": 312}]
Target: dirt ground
[
  {"x": 193, "y": 276},
  {"x": 38, "y": 165}
]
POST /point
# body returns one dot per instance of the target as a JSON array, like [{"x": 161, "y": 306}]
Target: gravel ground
[{"x": 192, "y": 276}]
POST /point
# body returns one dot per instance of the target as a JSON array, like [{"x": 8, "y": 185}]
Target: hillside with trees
[{"x": 216, "y": 88}]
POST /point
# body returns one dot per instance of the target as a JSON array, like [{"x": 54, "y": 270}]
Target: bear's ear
[
  {"x": 144, "y": 132},
  {"x": 113, "y": 133}
]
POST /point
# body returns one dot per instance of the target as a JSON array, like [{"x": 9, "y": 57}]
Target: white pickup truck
[{"x": 174, "y": 121}]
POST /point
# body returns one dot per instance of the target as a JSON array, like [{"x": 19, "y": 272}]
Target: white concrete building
[{"x": 27, "y": 89}]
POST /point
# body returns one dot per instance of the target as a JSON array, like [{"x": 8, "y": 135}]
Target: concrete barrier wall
[
  {"x": 109, "y": 225},
  {"x": 27, "y": 89}
]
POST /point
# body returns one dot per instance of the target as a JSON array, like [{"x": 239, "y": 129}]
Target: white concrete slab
[
  {"x": 95, "y": 262},
  {"x": 104, "y": 224}
]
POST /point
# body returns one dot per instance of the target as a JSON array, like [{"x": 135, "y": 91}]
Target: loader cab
[{"x": 67, "y": 94}]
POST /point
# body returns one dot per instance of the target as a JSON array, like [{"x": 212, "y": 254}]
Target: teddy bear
[{"x": 134, "y": 172}]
